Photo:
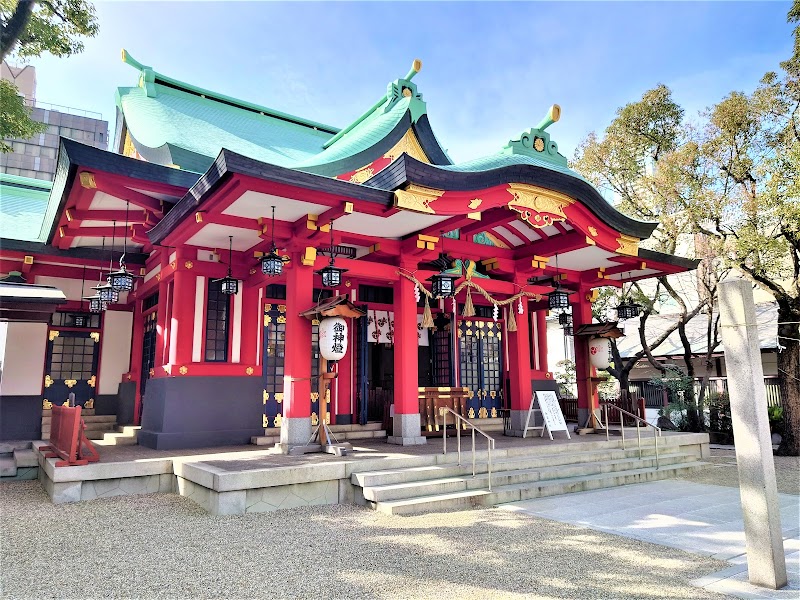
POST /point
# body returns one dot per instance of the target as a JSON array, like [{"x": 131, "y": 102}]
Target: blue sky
[{"x": 490, "y": 70}]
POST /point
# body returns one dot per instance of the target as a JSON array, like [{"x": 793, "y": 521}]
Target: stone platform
[{"x": 238, "y": 480}]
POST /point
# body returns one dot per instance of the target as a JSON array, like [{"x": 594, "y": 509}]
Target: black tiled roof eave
[
  {"x": 228, "y": 163},
  {"x": 43, "y": 248},
  {"x": 72, "y": 155},
  {"x": 690, "y": 264},
  {"x": 430, "y": 145},
  {"x": 409, "y": 170}
]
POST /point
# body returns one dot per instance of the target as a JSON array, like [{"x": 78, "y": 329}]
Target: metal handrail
[
  {"x": 443, "y": 410},
  {"x": 656, "y": 429}
]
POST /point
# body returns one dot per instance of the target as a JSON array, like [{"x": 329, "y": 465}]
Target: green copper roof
[
  {"x": 23, "y": 202},
  {"x": 363, "y": 136},
  {"x": 166, "y": 113},
  {"x": 496, "y": 161}
]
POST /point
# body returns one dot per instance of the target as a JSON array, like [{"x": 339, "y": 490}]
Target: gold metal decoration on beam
[
  {"x": 628, "y": 245},
  {"x": 537, "y": 206},
  {"x": 408, "y": 144},
  {"x": 53, "y": 334},
  {"x": 92, "y": 381},
  {"x": 87, "y": 181},
  {"x": 89, "y": 404},
  {"x": 416, "y": 198},
  {"x": 70, "y": 383},
  {"x": 362, "y": 175},
  {"x": 48, "y": 381},
  {"x": 95, "y": 336},
  {"x": 46, "y": 404}
]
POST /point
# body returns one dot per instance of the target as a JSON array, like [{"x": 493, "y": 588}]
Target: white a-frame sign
[{"x": 552, "y": 417}]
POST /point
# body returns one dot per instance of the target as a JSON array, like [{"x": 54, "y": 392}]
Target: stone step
[
  {"x": 367, "y": 427},
  {"x": 129, "y": 429},
  {"x": 517, "y": 492},
  {"x": 500, "y": 463},
  {"x": 116, "y": 439},
  {"x": 8, "y": 467},
  {"x": 506, "y": 478},
  {"x": 90, "y": 428},
  {"x": 86, "y": 419},
  {"x": 9, "y": 446},
  {"x": 25, "y": 458},
  {"x": 341, "y": 435}
]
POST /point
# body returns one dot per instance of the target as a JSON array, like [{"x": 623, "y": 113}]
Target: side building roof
[{"x": 23, "y": 203}]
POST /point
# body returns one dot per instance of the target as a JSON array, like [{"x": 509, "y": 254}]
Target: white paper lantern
[
  {"x": 599, "y": 351},
  {"x": 333, "y": 338}
]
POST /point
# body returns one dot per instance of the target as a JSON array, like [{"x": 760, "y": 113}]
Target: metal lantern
[
  {"x": 565, "y": 319},
  {"x": 599, "y": 353},
  {"x": 228, "y": 285},
  {"x": 627, "y": 310},
  {"x": 443, "y": 285},
  {"x": 78, "y": 320},
  {"x": 107, "y": 293},
  {"x": 272, "y": 264},
  {"x": 96, "y": 304},
  {"x": 333, "y": 338},
  {"x": 331, "y": 275},
  {"x": 558, "y": 298},
  {"x": 121, "y": 280}
]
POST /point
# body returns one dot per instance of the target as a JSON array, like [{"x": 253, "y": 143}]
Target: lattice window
[
  {"x": 72, "y": 358},
  {"x": 217, "y": 324}
]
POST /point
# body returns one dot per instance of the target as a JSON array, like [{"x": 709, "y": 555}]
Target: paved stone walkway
[{"x": 698, "y": 518}]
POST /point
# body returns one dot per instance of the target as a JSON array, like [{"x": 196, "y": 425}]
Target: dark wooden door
[{"x": 481, "y": 366}]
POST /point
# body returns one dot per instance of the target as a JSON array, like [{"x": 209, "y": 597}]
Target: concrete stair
[
  {"x": 96, "y": 425},
  {"x": 519, "y": 477},
  {"x": 343, "y": 433},
  {"x": 125, "y": 435},
  {"x": 18, "y": 461}
]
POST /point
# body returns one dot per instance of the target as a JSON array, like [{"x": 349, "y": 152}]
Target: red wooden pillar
[
  {"x": 519, "y": 361},
  {"x": 135, "y": 371},
  {"x": 162, "y": 335},
  {"x": 296, "y": 423},
  {"x": 582, "y": 315},
  {"x": 182, "y": 320},
  {"x": 407, "y": 427}
]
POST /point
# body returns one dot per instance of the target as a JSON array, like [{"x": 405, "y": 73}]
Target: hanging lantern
[
  {"x": 122, "y": 279},
  {"x": 442, "y": 285},
  {"x": 599, "y": 351},
  {"x": 565, "y": 319},
  {"x": 568, "y": 330},
  {"x": 272, "y": 263},
  {"x": 107, "y": 293},
  {"x": 627, "y": 310},
  {"x": 558, "y": 299},
  {"x": 333, "y": 338},
  {"x": 228, "y": 285},
  {"x": 331, "y": 275},
  {"x": 96, "y": 304}
]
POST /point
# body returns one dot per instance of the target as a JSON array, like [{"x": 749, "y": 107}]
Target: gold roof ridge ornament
[{"x": 538, "y": 206}]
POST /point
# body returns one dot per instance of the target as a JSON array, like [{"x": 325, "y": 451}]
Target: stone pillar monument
[{"x": 766, "y": 563}]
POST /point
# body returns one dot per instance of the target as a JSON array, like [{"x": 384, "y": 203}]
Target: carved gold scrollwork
[
  {"x": 410, "y": 145},
  {"x": 249, "y": 370},
  {"x": 628, "y": 245},
  {"x": 281, "y": 308},
  {"x": 537, "y": 206},
  {"x": 46, "y": 404},
  {"x": 279, "y": 397},
  {"x": 151, "y": 372},
  {"x": 267, "y": 320},
  {"x": 494, "y": 412},
  {"x": 266, "y": 396},
  {"x": 91, "y": 381},
  {"x": 183, "y": 370},
  {"x": 281, "y": 319},
  {"x": 48, "y": 381},
  {"x": 314, "y": 396},
  {"x": 70, "y": 382},
  {"x": 264, "y": 421},
  {"x": 95, "y": 336},
  {"x": 416, "y": 198},
  {"x": 267, "y": 307},
  {"x": 471, "y": 413},
  {"x": 89, "y": 404},
  {"x": 53, "y": 334},
  {"x": 362, "y": 175},
  {"x": 483, "y": 413},
  {"x": 314, "y": 418},
  {"x": 278, "y": 420}
]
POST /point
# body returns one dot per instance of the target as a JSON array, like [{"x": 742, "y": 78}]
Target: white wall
[
  {"x": 115, "y": 350},
  {"x": 72, "y": 287},
  {"x": 23, "y": 359}
]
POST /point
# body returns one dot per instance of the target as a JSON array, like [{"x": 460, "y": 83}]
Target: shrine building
[{"x": 224, "y": 225}]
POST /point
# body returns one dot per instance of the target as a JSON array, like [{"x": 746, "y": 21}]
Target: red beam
[{"x": 491, "y": 218}]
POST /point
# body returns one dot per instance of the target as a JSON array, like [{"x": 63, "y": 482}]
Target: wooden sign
[{"x": 550, "y": 409}]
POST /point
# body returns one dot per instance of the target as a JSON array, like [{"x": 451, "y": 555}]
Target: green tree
[{"x": 29, "y": 28}]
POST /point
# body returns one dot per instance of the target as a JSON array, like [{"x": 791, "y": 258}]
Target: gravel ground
[
  {"x": 164, "y": 546},
  {"x": 724, "y": 471}
]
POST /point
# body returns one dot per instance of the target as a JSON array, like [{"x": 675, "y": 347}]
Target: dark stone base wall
[
  {"x": 20, "y": 418},
  {"x": 105, "y": 404},
  {"x": 344, "y": 419},
  {"x": 126, "y": 397},
  {"x": 196, "y": 412}
]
